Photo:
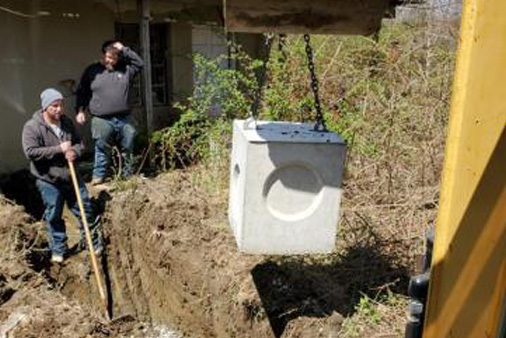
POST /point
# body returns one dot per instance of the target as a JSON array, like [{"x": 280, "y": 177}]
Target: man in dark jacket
[
  {"x": 103, "y": 91},
  {"x": 49, "y": 142}
]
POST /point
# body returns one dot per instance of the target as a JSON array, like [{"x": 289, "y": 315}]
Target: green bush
[
  {"x": 374, "y": 92},
  {"x": 219, "y": 95}
]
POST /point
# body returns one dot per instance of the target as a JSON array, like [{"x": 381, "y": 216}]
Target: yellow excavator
[{"x": 464, "y": 295}]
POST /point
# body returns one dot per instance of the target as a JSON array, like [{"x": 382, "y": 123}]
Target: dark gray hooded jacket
[{"x": 42, "y": 148}]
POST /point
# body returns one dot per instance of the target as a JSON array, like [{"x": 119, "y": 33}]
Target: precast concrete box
[{"x": 285, "y": 187}]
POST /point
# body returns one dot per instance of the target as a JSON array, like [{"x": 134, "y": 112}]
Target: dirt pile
[
  {"x": 171, "y": 262},
  {"x": 32, "y": 301},
  {"x": 30, "y": 305}
]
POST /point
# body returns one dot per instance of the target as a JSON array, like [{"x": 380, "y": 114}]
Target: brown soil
[
  {"x": 29, "y": 305},
  {"x": 171, "y": 260},
  {"x": 31, "y": 301}
]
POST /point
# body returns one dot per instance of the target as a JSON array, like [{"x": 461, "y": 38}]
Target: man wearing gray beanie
[{"x": 50, "y": 141}]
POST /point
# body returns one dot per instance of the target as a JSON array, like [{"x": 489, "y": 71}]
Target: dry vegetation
[{"x": 389, "y": 98}]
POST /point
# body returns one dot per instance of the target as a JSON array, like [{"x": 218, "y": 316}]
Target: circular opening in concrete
[
  {"x": 292, "y": 192},
  {"x": 234, "y": 192},
  {"x": 237, "y": 171}
]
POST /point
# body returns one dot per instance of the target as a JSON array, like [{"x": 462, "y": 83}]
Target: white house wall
[
  {"x": 57, "y": 41},
  {"x": 47, "y": 43}
]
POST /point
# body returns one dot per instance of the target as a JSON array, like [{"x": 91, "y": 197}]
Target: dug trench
[{"x": 171, "y": 261}]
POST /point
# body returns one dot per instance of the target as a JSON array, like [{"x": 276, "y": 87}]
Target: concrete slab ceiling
[
  {"x": 357, "y": 17},
  {"x": 361, "y": 17}
]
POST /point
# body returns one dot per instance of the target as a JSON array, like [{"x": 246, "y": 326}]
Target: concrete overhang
[{"x": 356, "y": 17}]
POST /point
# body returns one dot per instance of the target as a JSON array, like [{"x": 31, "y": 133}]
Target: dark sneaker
[
  {"x": 77, "y": 248},
  {"x": 81, "y": 246}
]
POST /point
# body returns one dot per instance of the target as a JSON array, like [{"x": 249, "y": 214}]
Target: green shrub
[{"x": 219, "y": 95}]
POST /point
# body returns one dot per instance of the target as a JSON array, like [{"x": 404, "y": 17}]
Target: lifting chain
[
  {"x": 320, "y": 121},
  {"x": 255, "y": 109},
  {"x": 281, "y": 47}
]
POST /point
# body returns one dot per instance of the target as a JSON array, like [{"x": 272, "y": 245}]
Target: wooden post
[{"x": 147, "y": 90}]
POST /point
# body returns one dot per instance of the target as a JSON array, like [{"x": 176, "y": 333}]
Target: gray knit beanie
[{"x": 48, "y": 96}]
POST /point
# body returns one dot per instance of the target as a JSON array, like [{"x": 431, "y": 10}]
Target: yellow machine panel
[{"x": 468, "y": 282}]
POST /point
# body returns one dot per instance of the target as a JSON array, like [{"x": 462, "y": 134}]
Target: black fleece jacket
[{"x": 105, "y": 92}]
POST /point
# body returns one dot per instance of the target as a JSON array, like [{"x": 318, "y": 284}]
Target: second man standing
[{"x": 103, "y": 92}]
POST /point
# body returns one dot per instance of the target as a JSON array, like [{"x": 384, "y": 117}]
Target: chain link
[
  {"x": 255, "y": 109},
  {"x": 282, "y": 47},
  {"x": 320, "y": 120}
]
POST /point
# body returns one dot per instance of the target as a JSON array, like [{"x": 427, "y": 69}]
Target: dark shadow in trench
[
  {"x": 20, "y": 188},
  {"x": 108, "y": 283},
  {"x": 100, "y": 203},
  {"x": 293, "y": 288}
]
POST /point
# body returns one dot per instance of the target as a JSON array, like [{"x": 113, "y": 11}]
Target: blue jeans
[
  {"x": 54, "y": 197},
  {"x": 107, "y": 132}
]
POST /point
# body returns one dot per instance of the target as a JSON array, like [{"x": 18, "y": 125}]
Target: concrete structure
[
  {"x": 49, "y": 43},
  {"x": 315, "y": 17},
  {"x": 285, "y": 187}
]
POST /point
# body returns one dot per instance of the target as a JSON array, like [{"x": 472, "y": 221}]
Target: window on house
[{"x": 128, "y": 33}]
